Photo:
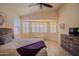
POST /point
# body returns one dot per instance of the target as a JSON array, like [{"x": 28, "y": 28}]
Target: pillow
[{"x": 6, "y": 35}]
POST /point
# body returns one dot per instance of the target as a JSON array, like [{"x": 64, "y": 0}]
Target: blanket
[{"x": 32, "y": 49}]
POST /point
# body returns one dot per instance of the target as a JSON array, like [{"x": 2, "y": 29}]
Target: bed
[{"x": 9, "y": 49}]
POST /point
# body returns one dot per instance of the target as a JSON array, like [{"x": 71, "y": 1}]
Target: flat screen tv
[{"x": 74, "y": 31}]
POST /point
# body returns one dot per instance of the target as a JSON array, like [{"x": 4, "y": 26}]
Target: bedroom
[{"x": 32, "y": 24}]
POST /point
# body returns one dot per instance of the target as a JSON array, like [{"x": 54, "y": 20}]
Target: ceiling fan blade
[
  {"x": 47, "y": 5},
  {"x": 33, "y": 5}
]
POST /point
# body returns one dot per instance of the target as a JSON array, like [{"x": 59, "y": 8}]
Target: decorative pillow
[{"x": 6, "y": 35}]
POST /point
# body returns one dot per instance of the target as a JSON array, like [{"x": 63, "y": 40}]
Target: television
[{"x": 74, "y": 31}]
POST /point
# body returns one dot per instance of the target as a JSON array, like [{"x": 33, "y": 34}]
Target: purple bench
[{"x": 32, "y": 49}]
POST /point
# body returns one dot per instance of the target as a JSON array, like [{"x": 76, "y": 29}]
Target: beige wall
[
  {"x": 11, "y": 11},
  {"x": 47, "y": 35},
  {"x": 49, "y": 15},
  {"x": 69, "y": 15},
  {"x": 8, "y": 23},
  {"x": 8, "y": 11}
]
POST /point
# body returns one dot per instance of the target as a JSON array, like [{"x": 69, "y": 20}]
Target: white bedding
[{"x": 10, "y": 48}]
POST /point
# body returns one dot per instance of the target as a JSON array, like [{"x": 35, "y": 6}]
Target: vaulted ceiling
[{"x": 23, "y": 9}]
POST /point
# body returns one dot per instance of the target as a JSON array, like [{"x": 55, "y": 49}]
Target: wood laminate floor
[{"x": 54, "y": 49}]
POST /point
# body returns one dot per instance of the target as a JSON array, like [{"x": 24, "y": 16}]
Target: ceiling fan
[{"x": 41, "y": 5}]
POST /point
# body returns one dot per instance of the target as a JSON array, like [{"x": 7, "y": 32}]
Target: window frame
[
  {"x": 55, "y": 27},
  {"x": 40, "y": 31}
]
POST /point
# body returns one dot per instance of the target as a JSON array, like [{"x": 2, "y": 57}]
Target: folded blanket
[{"x": 32, "y": 49}]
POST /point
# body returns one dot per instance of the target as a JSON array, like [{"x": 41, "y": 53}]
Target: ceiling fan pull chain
[{"x": 40, "y": 6}]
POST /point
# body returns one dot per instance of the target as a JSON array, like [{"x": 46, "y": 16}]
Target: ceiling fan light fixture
[{"x": 41, "y": 5}]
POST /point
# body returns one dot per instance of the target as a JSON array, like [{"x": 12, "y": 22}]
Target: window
[
  {"x": 16, "y": 24},
  {"x": 25, "y": 26},
  {"x": 45, "y": 27},
  {"x": 16, "y": 30},
  {"x": 52, "y": 26},
  {"x": 39, "y": 27}
]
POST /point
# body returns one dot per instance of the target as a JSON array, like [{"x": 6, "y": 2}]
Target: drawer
[
  {"x": 75, "y": 48},
  {"x": 76, "y": 43}
]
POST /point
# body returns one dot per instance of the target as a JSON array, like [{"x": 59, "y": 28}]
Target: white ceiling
[{"x": 23, "y": 9}]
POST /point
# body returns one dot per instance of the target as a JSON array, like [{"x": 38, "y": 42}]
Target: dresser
[{"x": 70, "y": 43}]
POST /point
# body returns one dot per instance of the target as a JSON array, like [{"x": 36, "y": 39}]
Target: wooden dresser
[{"x": 70, "y": 43}]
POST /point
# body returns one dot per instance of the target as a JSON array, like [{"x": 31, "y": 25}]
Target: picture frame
[
  {"x": 2, "y": 18},
  {"x": 62, "y": 26}
]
